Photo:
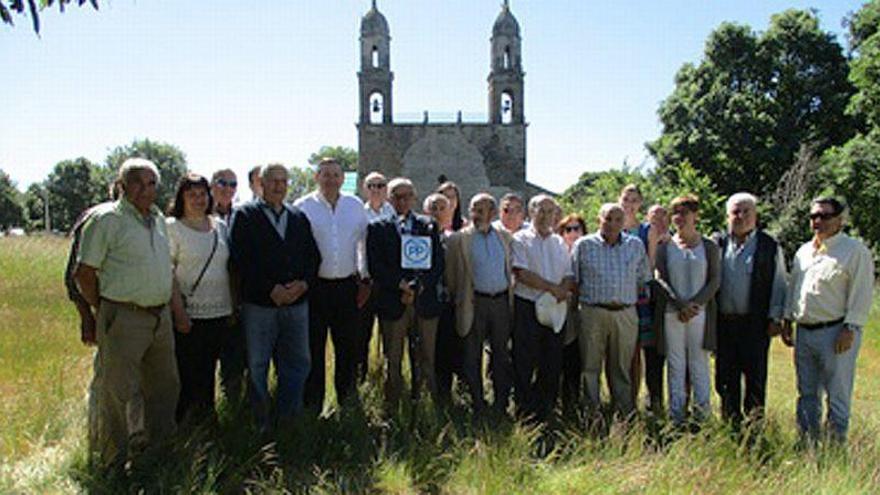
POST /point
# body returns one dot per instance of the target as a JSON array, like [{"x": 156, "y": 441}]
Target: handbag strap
[{"x": 205, "y": 268}]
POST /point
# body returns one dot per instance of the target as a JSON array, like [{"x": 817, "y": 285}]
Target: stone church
[{"x": 487, "y": 156}]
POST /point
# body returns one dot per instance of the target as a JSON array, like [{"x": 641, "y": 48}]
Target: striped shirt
[{"x": 610, "y": 273}]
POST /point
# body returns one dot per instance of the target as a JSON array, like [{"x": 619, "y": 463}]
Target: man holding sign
[{"x": 406, "y": 263}]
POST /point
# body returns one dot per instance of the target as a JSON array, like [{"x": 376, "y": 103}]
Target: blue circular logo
[{"x": 417, "y": 250}]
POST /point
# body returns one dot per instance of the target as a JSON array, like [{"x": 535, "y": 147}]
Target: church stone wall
[{"x": 478, "y": 157}]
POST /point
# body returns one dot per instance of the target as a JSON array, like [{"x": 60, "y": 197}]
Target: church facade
[{"x": 478, "y": 157}]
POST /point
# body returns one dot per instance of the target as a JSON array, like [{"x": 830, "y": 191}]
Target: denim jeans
[
  {"x": 820, "y": 370},
  {"x": 284, "y": 333}
]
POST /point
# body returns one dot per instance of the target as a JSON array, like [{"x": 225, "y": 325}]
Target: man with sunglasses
[
  {"x": 832, "y": 281},
  {"x": 223, "y": 187}
]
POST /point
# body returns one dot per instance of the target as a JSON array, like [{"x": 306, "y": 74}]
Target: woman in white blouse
[
  {"x": 688, "y": 276},
  {"x": 202, "y": 301}
]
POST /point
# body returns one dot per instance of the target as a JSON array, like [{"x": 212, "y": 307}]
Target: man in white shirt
[
  {"x": 512, "y": 214},
  {"x": 540, "y": 264},
  {"x": 829, "y": 298},
  {"x": 339, "y": 225}
]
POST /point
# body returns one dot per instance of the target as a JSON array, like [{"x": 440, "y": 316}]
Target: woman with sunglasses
[
  {"x": 202, "y": 301},
  {"x": 688, "y": 276},
  {"x": 571, "y": 228}
]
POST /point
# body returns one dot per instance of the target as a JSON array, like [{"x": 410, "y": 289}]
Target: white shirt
[
  {"x": 385, "y": 211},
  {"x": 190, "y": 249},
  {"x": 339, "y": 232},
  {"x": 546, "y": 257},
  {"x": 834, "y": 281}
]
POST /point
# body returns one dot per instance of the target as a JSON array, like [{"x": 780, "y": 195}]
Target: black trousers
[
  {"x": 447, "y": 353},
  {"x": 197, "y": 354},
  {"x": 537, "y": 362},
  {"x": 571, "y": 376},
  {"x": 333, "y": 306},
  {"x": 743, "y": 347},
  {"x": 233, "y": 363},
  {"x": 654, "y": 362},
  {"x": 366, "y": 323}
]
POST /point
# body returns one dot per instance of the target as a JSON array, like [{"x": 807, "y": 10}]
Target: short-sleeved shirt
[
  {"x": 610, "y": 273},
  {"x": 130, "y": 252},
  {"x": 547, "y": 257}
]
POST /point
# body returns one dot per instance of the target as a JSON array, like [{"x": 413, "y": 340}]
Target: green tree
[
  {"x": 170, "y": 161},
  {"x": 73, "y": 186},
  {"x": 346, "y": 157},
  {"x": 302, "y": 182},
  {"x": 34, "y": 202},
  {"x": 33, "y": 8},
  {"x": 11, "y": 209},
  {"x": 595, "y": 188},
  {"x": 742, "y": 114}
]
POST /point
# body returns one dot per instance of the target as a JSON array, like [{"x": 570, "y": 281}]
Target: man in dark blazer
[
  {"x": 405, "y": 260},
  {"x": 277, "y": 259}
]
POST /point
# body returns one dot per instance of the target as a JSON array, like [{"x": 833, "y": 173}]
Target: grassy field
[{"x": 44, "y": 371}]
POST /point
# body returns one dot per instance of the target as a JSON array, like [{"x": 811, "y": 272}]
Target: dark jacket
[
  {"x": 263, "y": 260},
  {"x": 383, "y": 257}
]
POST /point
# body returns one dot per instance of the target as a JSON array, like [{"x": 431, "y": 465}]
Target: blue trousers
[
  {"x": 820, "y": 370},
  {"x": 282, "y": 332}
]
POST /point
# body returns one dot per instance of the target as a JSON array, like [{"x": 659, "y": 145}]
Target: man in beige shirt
[
  {"x": 832, "y": 281},
  {"x": 124, "y": 272}
]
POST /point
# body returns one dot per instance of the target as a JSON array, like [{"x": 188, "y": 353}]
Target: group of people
[{"x": 548, "y": 304}]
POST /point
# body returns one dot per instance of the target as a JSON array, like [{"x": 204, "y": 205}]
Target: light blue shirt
[
  {"x": 487, "y": 260},
  {"x": 737, "y": 264},
  {"x": 278, "y": 220},
  {"x": 609, "y": 274}
]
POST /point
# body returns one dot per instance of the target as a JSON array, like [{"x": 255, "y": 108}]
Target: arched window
[
  {"x": 375, "y": 57},
  {"x": 506, "y": 60},
  {"x": 506, "y": 108},
  {"x": 377, "y": 108}
]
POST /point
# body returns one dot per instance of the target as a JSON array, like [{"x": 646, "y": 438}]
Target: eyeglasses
[
  {"x": 824, "y": 216},
  {"x": 227, "y": 183},
  {"x": 377, "y": 185},
  {"x": 572, "y": 228}
]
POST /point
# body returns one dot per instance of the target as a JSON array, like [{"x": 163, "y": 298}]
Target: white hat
[{"x": 551, "y": 313}]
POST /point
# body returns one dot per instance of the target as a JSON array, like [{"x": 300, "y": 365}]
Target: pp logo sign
[{"x": 415, "y": 252}]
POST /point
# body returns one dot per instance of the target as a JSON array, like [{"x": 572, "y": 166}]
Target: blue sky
[{"x": 235, "y": 84}]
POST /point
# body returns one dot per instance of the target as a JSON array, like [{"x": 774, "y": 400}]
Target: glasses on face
[
  {"x": 681, "y": 211},
  {"x": 376, "y": 186},
  {"x": 227, "y": 183},
  {"x": 572, "y": 228},
  {"x": 822, "y": 215}
]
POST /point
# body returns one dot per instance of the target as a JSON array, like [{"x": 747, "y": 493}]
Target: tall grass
[{"x": 363, "y": 448}]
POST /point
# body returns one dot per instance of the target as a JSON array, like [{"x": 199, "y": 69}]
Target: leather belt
[
  {"x": 153, "y": 310},
  {"x": 491, "y": 296},
  {"x": 821, "y": 324},
  {"x": 611, "y": 306},
  {"x": 732, "y": 318}
]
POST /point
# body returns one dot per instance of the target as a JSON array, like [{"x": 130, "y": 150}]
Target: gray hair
[
  {"x": 607, "y": 208},
  {"x": 741, "y": 198},
  {"x": 535, "y": 203},
  {"x": 268, "y": 169},
  {"x": 133, "y": 165},
  {"x": 431, "y": 200},
  {"x": 481, "y": 197},
  {"x": 399, "y": 182}
]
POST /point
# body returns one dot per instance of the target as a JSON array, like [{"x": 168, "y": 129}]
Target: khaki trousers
[
  {"x": 616, "y": 332},
  {"x": 393, "y": 334},
  {"x": 136, "y": 350}
]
